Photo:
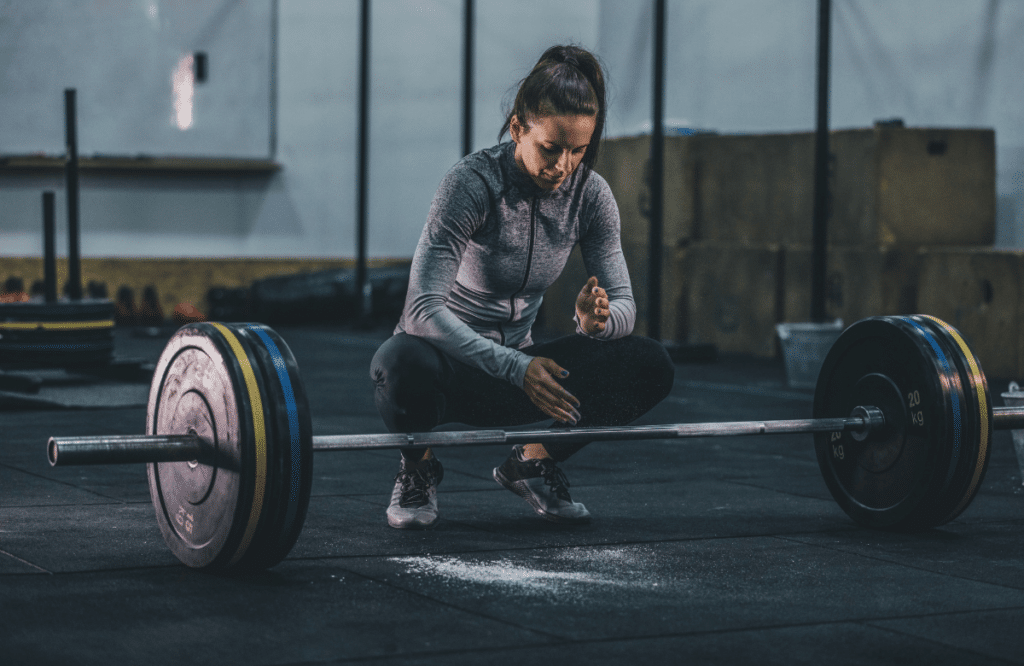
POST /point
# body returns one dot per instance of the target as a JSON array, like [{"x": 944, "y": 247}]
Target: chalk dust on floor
[{"x": 571, "y": 569}]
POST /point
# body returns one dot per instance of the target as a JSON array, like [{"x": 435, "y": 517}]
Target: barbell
[{"x": 902, "y": 425}]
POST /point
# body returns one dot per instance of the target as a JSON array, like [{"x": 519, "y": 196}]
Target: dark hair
[{"x": 567, "y": 80}]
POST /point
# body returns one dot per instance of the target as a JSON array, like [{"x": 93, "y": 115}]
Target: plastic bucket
[{"x": 804, "y": 347}]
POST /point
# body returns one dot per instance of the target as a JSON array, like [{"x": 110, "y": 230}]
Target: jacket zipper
[{"x": 526, "y": 276}]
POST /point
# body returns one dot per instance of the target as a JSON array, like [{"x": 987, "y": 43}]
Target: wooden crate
[
  {"x": 674, "y": 290},
  {"x": 862, "y": 282},
  {"x": 890, "y": 186},
  {"x": 979, "y": 291},
  {"x": 754, "y": 189},
  {"x": 913, "y": 186},
  {"x": 624, "y": 163},
  {"x": 734, "y": 294}
]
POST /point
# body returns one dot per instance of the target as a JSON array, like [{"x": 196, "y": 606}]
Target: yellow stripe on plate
[
  {"x": 55, "y": 325},
  {"x": 979, "y": 383},
  {"x": 261, "y": 438}
]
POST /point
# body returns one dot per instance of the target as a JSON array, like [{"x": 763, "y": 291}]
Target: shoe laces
[
  {"x": 555, "y": 478},
  {"x": 415, "y": 486}
]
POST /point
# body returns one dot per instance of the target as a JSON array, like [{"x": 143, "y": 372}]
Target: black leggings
[{"x": 419, "y": 387}]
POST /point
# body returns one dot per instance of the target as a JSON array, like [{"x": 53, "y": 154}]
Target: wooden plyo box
[
  {"x": 891, "y": 186},
  {"x": 625, "y": 164},
  {"x": 733, "y": 296},
  {"x": 754, "y": 189},
  {"x": 861, "y": 282},
  {"x": 913, "y": 187},
  {"x": 979, "y": 292}
]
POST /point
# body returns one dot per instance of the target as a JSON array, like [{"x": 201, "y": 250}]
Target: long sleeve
[
  {"x": 458, "y": 209},
  {"x": 492, "y": 245},
  {"x": 601, "y": 247}
]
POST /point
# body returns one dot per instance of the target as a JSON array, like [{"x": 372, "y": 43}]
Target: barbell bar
[
  {"x": 902, "y": 422},
  {"x": 125, "y": 449},
  {"x": 112, "y": 450}
]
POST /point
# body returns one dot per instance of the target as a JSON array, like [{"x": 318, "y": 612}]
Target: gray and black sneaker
[
  {"x": 414, "y": 499},
  {"x": 543, "y": 485}
]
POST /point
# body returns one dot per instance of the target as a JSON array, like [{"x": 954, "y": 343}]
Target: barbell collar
[
  {"x": 1008, "y": 418},
  {"x": 874, "y": 419}
]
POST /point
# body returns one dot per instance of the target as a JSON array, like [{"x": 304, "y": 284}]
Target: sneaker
[
  {"x": 414, "y": 499},
  {"x": 543, "y": 485}
]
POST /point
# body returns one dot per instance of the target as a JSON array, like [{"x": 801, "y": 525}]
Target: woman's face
[{"x": 553, "y": 146}]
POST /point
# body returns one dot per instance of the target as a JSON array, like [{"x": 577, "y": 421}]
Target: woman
[{"x": 499, "y": 232}]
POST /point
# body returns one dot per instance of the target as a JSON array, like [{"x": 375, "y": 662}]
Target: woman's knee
[
  {"x": 408, "y": 376},
  {"x": 405, "y": 360},
  {"x": 652, "y": 364}
]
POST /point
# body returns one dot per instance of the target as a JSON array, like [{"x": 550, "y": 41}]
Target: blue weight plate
[
  {"x": 289, "y": 445},
  {"x": 968, "y": 464}
]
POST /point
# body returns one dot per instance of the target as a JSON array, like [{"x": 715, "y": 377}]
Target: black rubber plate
[{"x": 893, "y": 479}]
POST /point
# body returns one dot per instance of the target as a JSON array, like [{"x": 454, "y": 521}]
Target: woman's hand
[
  {"x": 542, "y": 387},
  {"x": 592, "y": 307}
]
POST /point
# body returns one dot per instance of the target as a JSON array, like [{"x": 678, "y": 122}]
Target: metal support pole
[
  {"x": 467, "y": 80},
  {"x": 657, "y": 176},
  {"x": 275, "y": 20},
  {"x": 819, "y": 236},
  {"x": 49, "y": 248},
  {"x": 363, "y": 293},
  {"x": 71, "y": 180}
]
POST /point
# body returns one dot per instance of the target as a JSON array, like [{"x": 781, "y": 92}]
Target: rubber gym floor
[{"x": 715, "y": 550}]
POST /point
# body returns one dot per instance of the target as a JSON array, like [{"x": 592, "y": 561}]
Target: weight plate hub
[
  {"x": 243, "y": 503},
  {"x": 885, "y": 445},
  {"x": 918, "y": 470}
]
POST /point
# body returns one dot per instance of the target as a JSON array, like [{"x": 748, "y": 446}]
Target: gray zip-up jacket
[{"x": 492, "y": 245}]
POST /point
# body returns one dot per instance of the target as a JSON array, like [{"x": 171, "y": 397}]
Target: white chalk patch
[{"x": 574, "y": 569}]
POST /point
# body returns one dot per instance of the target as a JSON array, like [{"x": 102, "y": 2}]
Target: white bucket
[{"x": 804, "y": 347}]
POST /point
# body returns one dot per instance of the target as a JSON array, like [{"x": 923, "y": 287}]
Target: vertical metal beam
[
  {"x": 467, "y": 79},
  {"x": 362, "y": 286},
  {"x": 49, "y": 248},
  {"x": 71, "y": 183},
  {"x": 657, "y": 175},
  {"x": 275, "y": 13},
  {"x": 819, "y": 237}
]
